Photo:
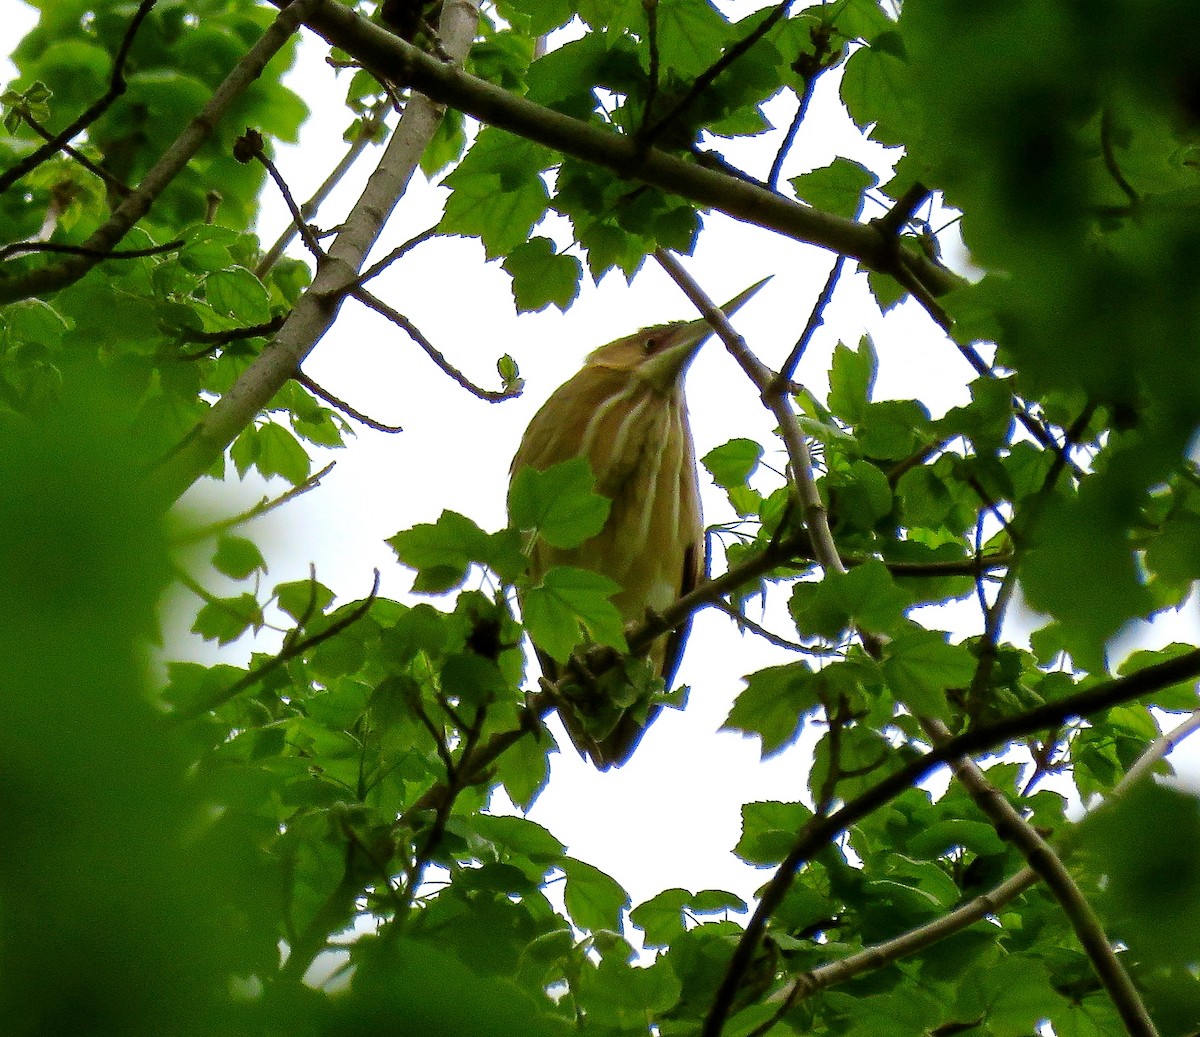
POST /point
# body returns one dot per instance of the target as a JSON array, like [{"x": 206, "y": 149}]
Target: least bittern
[{"x": 625, "y": 412}]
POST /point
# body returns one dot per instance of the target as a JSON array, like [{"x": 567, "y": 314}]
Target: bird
[{"x": 625, "y": 411}]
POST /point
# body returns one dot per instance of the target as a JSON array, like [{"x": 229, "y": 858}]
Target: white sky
[{"x": 669, "y": 817}]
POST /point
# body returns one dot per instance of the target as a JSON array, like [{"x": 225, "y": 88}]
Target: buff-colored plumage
[{"x": 625, "y": 412}]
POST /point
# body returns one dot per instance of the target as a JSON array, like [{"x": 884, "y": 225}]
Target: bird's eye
[{"x": 650, "y": 346}]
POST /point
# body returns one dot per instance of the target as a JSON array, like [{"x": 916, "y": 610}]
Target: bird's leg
[{"x": 652, "y": 623}]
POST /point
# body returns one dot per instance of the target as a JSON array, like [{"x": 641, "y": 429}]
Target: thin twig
[
  {"x": 651, "y": 9},
  {"x": 17, "y": 248},
  {"x": 381, "y": 50},
  {"x": 211, "y": 599},
  {"x": 250, "y": 145},
  {"x": 789, "y": 138},
  {"x": 773, "y": 391},
  {"x": 756, "y": 628},
  {"x": 434, "y": 354},
  {"x": 819, "y": 832},
  {"x": 116, "y": 186},
  {"x": 215, "y": 339},
  {"x": 259, "y": 509},
  {"x": 815, "y": 319},
  {"x": 1049, "y": 867},
  {"x": 296, "y": 648},
  {"x": 893, "y": 222},
  {"x": 116, "y": 87},
  {"x": 709, "y": 75},
  {"x": 375, "y": 269},
  {"x": 1110, "y": 157},
  {"x": 871, "y": 958},
  {"x": 342, "y": 405},
  {"x": 367, "y": 132}
]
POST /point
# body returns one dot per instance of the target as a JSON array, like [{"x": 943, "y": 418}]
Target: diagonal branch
[
  {"x": 391, "y": 57},
  {"x": 290, "y": 650},
  {"x": 315, "y": 311},
  {"x": 436, "y": 355},
  {"x": 341, "y": 405},
  {"x": 871, "y": 958},
  {"x": 368, "y": 131},
  {"x": 1048, "y": 866},
  {"x": 820, "y": 831},
  {"x": 710, "y": 74}
]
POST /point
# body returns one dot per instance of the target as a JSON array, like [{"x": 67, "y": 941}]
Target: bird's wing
[{"x": 695, "y": 568}]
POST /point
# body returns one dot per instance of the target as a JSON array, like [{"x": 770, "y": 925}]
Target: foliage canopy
[{"x": 167, "y": 837}]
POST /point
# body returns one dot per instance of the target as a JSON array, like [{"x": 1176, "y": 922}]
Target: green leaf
[
  {"x": 838, "y": 188},
  {"x": 733, "y": 463},
  {"x": 519, "y": 835},
  {"x": 691, "y": 34},
  {"x": 886, "y": 290},
  {"x": 942, "y": 836},
  {"x": 497, "y": 191},
  {"x": 1081, "y": 570},
  {"x": 441, "y": 552},
  {"x": 303, "y": 599},
  {"x": 237, "y": 293},
  {"x": 1146, "y": 842},
  {"x": 500, "y": 217},
  {"x": 851, "y": 380},
  {"x": 524, "y": 770},
  {"x": 559, "y": 504},
  {"x": 1016, "y": 993},
  {"x": 545, "y": 15},
  {"x": 594, "y": 900},
  {"x": 226, "y": 619},
  {"x": 920, "y": 666},
  {"x": 206, "y": 248},
  {"x": 866, "y": 597},
  {"x": 774, "y": 705},
  {"x": 863, "y": 495},
  {"x": 32, "y": 320},
  {"x": 567, "y": 598},
  {"x": 238, "y": 557},
  {"x": 661, "y": 917},
  {"x": 278, "y": 453},
  {"x": 877, "y": 91},
  {"x": 421, "y": 628},
  {"x": 541, "y": 277},
  {"x": 892, "y": 429},
  {"x": 472, "y": 679},
  {"x": 769, "y": 831}
]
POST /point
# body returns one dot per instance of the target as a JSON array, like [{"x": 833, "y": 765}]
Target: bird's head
[{"x": 660, "y": 355}]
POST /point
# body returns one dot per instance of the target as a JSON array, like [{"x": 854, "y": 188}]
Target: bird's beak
[{"x": 683, "y": 342}]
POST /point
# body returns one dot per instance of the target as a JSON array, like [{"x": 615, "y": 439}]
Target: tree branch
[
  {"x": 290, "y": 651},
  {"x": 316, "y": 310},
  {"x": 379, "y": 49},
  {"x": 710, "y": 74},
  {"x": 1050, "y": 869},
  {"x": 368, "y": 131},
  {"x": 871, "y": 958},
  {"x": 261, "y": 508},
  {"x": 436, "y": 355},
  {"x": 342, "y": 405},
  {"x": 820, "y": 831}
]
